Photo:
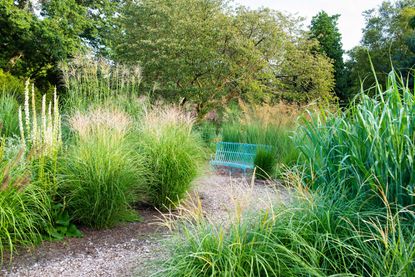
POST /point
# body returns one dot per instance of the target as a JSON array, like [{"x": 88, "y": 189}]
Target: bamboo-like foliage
[
  {"x": 46, "y": 137},
  {"x": 369, "y": 147}
]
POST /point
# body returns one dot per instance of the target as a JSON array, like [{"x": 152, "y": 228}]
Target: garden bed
[{"x": 129, "y": 249}]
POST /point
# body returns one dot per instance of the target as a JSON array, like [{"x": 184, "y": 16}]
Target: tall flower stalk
[{"x": 46, "y": 136}]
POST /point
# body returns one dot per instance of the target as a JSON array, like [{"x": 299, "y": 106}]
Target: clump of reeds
[{"x": 368, "y": 147}]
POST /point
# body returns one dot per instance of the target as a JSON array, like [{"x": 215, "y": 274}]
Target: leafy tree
[
  {"x": 388, "y": 39},
  {"x": 204, "y": 52},
  {"x": 324, "y": 29},
  {"x": 33, "y": 46}
]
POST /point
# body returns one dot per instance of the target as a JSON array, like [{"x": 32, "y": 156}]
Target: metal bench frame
[{"x": 237, "y": 155}]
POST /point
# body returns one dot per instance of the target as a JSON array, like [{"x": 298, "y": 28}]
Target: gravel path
[{"x": 129, "y": 249}]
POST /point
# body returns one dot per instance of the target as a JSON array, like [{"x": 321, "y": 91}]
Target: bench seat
[{"x": 236, "y": 155}]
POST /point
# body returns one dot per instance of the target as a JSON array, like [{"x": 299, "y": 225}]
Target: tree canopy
[
  {"x": 32, "y": 44},
  {"x": 205, "y": 52},
  {"x": 388, "y": 39}
]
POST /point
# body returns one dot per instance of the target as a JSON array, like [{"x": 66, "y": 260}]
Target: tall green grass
[
  {"x": 172, "y": 154},
  {"x": 24, "y": 206},
  {"x": 101, "y": 175},
  {"x": 9, "y": 122},
  {"x": 92, "y": 81},
  {"x": 352, "y": 213},
  {"x": 311, "y": 236},
  {"x": 370, "y": 146}
]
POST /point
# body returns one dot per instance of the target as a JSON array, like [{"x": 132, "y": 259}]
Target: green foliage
[
  {"x": 324, "y": 29},
  {"x": 265, "y": 163},
  {"x": 101, "y": 175},
  {"x": 223, "y": 57},
  {"x": 24, "y": 207},
  {"x": 388, "y": 37},
  {"x": 312, "y": 236},
  {"x": 24, "y": 215},
  {"x": 9, "y": 122},
  {"x": 172, "y": 153},
  {"x": 33, "y": 46},
  {"x": 62, "y": 227},
  {"x": 368, "y": 148},
  {"x": 208, "y": 133},
  {"x": 10, "y": 85}
]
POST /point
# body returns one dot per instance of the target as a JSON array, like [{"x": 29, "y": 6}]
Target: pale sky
[{"x": 351, "y": 20}]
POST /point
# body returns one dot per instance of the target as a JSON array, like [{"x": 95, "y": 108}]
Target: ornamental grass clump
[
  {"x": 310, "y": 236},
  {"x": 172, "y": 154},
  {"x": 101, "y": 173},
  {"x": 368, "y": 147},
  {"x": 24, "y": 206},
  {"x": 9, "y": 122}
]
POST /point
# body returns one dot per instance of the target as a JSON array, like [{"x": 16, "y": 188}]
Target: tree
[
  {"x": 324, "y": 29},
  {"x": 32, "y": 46},
  {"x": 388, "y": 40},
  {"x": 203, "y": 52}
]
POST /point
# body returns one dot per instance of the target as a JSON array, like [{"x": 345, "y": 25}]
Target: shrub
[
  {"x": 370, "y": 146},
  {"x": 9, "y": 122},
  {"x": 311, "y": 236},
  {"x": 10, "y": 84},
  {"x": 101, "y": 173},
  {"x": 172, "y": 154}
]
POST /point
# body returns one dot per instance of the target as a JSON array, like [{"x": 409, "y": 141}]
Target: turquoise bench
[{"x": 237, "y": 155}]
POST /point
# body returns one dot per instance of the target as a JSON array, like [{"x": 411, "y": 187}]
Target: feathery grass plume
[
  {"x": 95, "y": 81},
  {"x": 102, "y": 175},
  {"x": 172, "y": 153},
  {"x": 112, "y": 119}
]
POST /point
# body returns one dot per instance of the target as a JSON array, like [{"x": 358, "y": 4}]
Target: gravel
[{"x": 132, "y": 249}]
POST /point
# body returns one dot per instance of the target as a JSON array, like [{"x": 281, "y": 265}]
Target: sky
[{"x": 351, "y": 20}]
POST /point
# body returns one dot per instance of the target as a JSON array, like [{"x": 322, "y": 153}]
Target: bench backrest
[{"x": 238, "y": 153}]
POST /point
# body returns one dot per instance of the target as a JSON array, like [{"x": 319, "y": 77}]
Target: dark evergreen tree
[{"x": 324, "y": 29}]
